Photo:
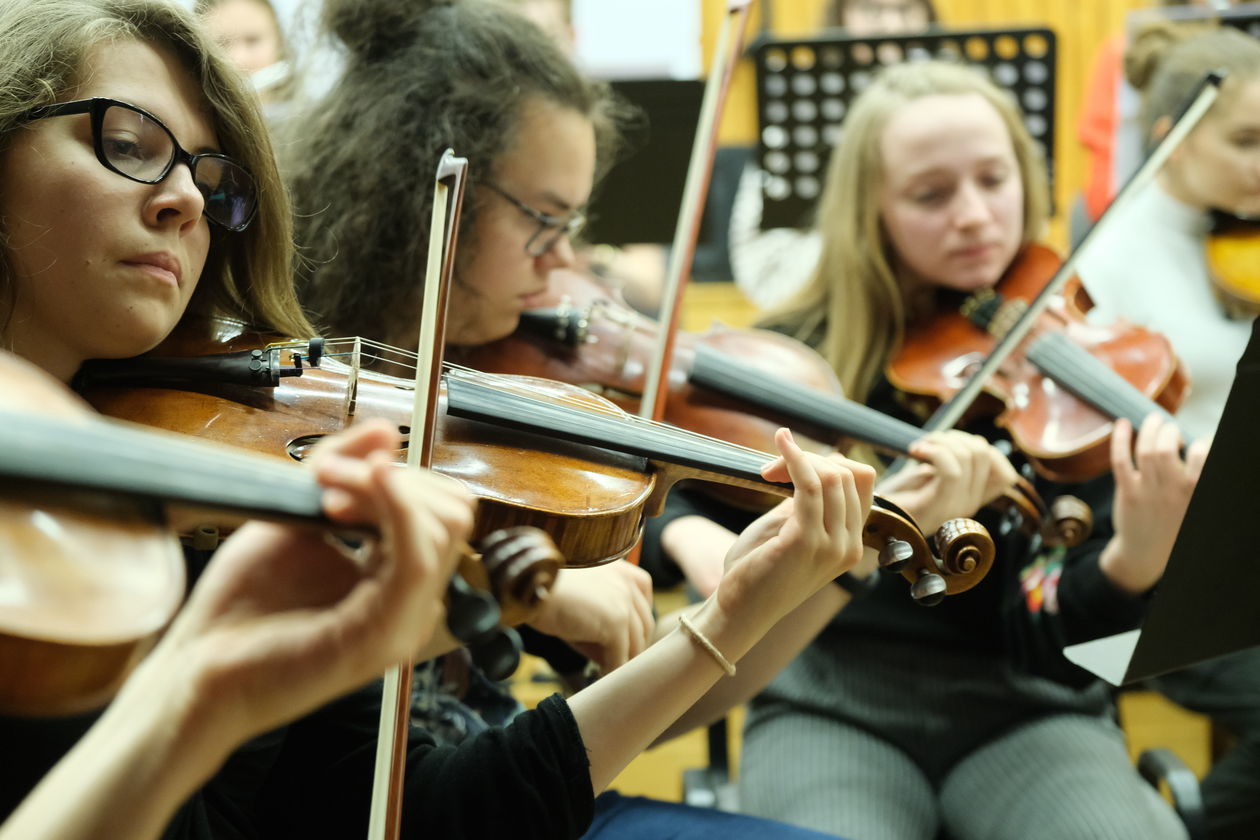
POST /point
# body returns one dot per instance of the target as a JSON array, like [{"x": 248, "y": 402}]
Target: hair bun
[
  {"x": 373, "y": 29},
  {"x": 1150, "y": 45}
]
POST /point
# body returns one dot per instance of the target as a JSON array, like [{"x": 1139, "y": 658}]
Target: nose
[
  {"x": 175, "y": 200},
  {"x": 970, "y": 206},
  {"x": 560, "y": 255}
]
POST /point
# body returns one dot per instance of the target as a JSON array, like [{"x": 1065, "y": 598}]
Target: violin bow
[
  {"x": 952, "y": 411},
  {"x": 385, "y": 817},
  {"x": 730, "y": 44}
]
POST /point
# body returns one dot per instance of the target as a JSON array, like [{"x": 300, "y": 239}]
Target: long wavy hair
[
  {"x": 853, "y": 309},
  {"x": 420, "y": 77},
  {"x": 43, "y": 47}
]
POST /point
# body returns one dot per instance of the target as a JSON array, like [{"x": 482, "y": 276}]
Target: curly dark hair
[{"x": 420, "y": 77}]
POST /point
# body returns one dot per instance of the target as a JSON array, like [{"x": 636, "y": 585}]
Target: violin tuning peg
[
  {"x": 895, "y": 555},
  {"x": 497, "y": 653},
  {"x": 470, "y": 613},
  {"x": 928, "y": 590}
]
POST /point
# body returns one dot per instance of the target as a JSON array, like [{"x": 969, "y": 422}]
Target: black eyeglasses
[
  {"x": 135, "y": 144},
  {"x": 550, "y": 228}
]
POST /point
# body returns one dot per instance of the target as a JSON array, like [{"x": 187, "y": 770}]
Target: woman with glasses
[
  {"x": 476, "y": 78},
  {"x": 139, "y": 196}
]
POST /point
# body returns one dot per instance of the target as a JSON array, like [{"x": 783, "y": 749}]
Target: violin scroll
[
  {"x": 1070, "y": 522},
  {"x": 519, "y": 566},
  {"x": 963, "y": 553}
]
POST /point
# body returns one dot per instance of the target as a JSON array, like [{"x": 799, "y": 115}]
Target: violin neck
[
  {"x": 476, "y": 397},
  {"x": 835, "y": 414},
  {"x": 1076, "y": 369},
  {"x": 114, "y": 458}
]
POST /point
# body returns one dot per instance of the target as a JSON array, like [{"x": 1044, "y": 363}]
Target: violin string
[
  {"x": 643, "y": 425},
  {"x": 496, "y": 381},
  {"x": 1096, "y": 383}
]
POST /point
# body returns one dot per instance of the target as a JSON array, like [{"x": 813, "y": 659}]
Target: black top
[
  {"x": 313, "y": 778},
  {"x": 1030, "y": 605}
]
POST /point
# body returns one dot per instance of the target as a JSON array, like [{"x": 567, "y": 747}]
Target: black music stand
[
  {"x": 805, "y": 86},
  {"x": 638, "y": 201},
  {"x": 1206, "y": 604}
]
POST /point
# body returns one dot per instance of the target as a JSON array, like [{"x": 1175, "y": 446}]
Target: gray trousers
[{"x": 890, "y": 742}]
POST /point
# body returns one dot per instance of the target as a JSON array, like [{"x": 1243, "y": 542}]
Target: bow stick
[
  {"x": 385, "y": 817},
  {"x": 730, "y": 44}
]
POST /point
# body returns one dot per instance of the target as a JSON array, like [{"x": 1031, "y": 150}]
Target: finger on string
[
  {"x": 855, "y": 512},
  {"x": 1147, "y": 438},
  {"x": 808, "y": 494},
  {"x": 1122, "y": 452}
]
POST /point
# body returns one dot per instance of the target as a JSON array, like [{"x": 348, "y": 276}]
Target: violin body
[
  {"x": 1065, "y": 437},
  {"x": 611, "y": 358},
  {"x": 512, "y": 440},
  {"x": 1232, "y": 251},
  {"x": 594, "y": 515}
]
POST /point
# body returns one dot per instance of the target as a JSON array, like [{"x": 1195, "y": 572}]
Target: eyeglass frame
[
  {"x": 562, "y": 226},
  {"x": 96, "y": 107}
]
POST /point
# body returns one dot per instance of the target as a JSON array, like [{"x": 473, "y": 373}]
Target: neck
[
  {"x": 54, "y": 358},
  {"x": 1175, "y": 186}
]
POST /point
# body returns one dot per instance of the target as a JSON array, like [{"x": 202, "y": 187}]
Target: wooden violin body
[
  {"x": 1232, "y": 251},
  {"x": 523, "y": 446},
  {"x": 1059, "y": 394}
]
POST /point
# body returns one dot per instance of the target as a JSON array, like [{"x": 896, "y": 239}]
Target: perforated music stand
[
  {"x": 1206, "y": 604},
  {"x": 805, "y": 87}
]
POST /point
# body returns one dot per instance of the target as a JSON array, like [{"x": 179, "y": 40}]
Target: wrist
[
  {"x": 1130, "y": 577},
  {"x": 729, "y": 635}
]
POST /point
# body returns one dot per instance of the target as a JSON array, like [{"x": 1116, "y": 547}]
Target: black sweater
[{"x": 1030, "y": 605}]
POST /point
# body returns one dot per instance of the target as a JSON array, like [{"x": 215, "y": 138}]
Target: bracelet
[
  {"x": 858, "y": 587},
  {"x": 704, "y": 642}
]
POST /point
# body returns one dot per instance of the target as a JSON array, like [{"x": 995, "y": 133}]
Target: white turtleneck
[{"x": 1148, "y": 266}]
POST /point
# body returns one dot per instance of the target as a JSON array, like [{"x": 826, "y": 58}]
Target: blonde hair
[
  {"x": 1166, "y": 62},
  {"x": 44, "y": 44},
  {"x": 853, "y": 309}
]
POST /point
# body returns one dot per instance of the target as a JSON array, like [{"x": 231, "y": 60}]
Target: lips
[
  {"x": 160, "y": 264},
  {"x": 972, "y": 252}
]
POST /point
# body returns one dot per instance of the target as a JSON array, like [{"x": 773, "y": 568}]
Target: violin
[
  {"x": 533, "y": 451},
  {"x": 93, "y": 565},
  {"x": 738, "y": 385},
  {"x": 1232, "y": 250},
  {"x": 1059, "y": 393}
]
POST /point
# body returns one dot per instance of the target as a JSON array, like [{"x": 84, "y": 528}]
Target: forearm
[
  {"x": 624, "y": 712},
  {"x": 129, "y": 774},
  {"x": 761, "y": 664}
]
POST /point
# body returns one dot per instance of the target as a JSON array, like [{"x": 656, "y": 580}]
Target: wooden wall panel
[{"x": 1081, "y": 26}]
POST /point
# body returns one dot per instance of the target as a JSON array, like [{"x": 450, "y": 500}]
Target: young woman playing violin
[
  {"x": 475, "y": 78},
  {"x": 104, "y": 246},
  {"x": 897, "y": 722},
  {"x": 114, "y": 235},
  {"x": 1150, "y": 266}
]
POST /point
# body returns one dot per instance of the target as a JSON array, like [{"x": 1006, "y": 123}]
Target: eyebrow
[
  {"x": 555, "y": 200},
  {"x": 938, "y": 170}
]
